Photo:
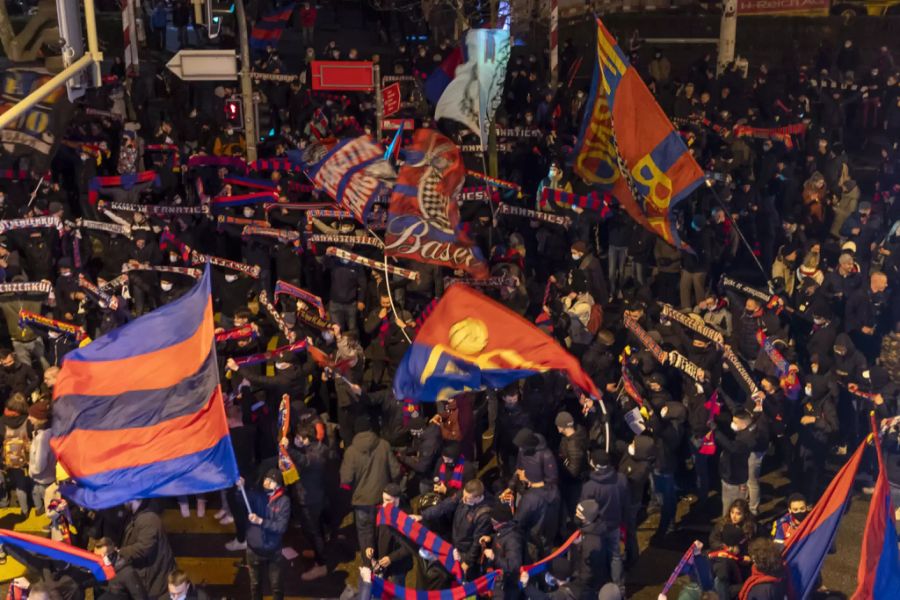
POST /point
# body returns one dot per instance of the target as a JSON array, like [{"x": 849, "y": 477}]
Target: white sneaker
[
  {"x": 315, "y": 573},
  {"x": 220, "y": 514},
  {"x": 201, "y": 507},
  {"x": 226, "y": 520},
  {"x": 185, "y": 510},
  {"x": 234, "y": 546}
]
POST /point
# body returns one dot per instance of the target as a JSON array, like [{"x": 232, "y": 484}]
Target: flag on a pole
[
  {"x": 267, "y": 31},
  {"x": 629, "y": 147},
  {"x": 805, "y": 551},
  {"x": 423, "y": 217},
  {"x": 475, "y": 93},
  {"x": 138, "y": 413},
  {"x": 470, "y": 341},
  {"x": 879, "y": 561}
]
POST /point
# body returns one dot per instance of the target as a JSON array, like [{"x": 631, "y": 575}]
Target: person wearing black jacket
[
  {"x": 126, "y": 584},
  {"x": 146, "y": 548},
  {"x": 506, "y": 552},
  {"x": 572, "y": 455},
  {"x": 310, "y": 456},
  {"x": 608, "y": 490},
  {"x": 269, "y": 519},
  {"x": 347, "y": 292},
  {"x": 818, "y": 422},
  {"x": 537, "y": 512},
  {"x": 734, "y": 457},
  {"x": 636, "y": 466},
  {"x": 421, "y": 456},
  {"x": 592, "y": 555},
  {"x": 471, "y": 521},
  {"x": 392, "y": 556},
  {"x": 667, "y": 427},
  {"x": 16, "y": 376}
]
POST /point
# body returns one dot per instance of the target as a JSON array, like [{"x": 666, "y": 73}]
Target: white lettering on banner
[
  {"x": 413, "y": 242},
  {"x": 361, "y": 186}
]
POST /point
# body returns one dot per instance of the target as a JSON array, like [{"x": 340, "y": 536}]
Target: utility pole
[
  {"x": 554, "y": 44},
  {"x": 379, "y": 104},
  {"x": 727, "y": 36},
  {"x": 246, "y": 82}
]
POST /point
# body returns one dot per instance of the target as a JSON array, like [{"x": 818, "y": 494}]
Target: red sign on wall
[
  {"x": 342, "y": 76},
  {"x": 782, "y": 7},
  {"x": 390, "y": 98}
]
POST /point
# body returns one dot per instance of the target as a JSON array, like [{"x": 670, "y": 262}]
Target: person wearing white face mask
[
  {"x": 734, "y": 458},
  {"x": 818, "y": 422}
]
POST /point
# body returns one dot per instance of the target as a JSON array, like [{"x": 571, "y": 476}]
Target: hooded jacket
[
  {"x": 609, "y": 489},
  {"x": 275, "y": 509},
  {"x": 814, "y": 437},
  {"x": 849, "y": 367},
  {"x": 637, "y": 468},
  {"x": 368, "y": 466}
]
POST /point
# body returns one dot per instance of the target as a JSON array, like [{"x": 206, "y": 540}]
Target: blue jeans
[
  {"x": 612, "y": 551},
  {"x": 664, "y": 488},
  {"x": 364, "y": 516},
  {"x": 701, "y": 472}
]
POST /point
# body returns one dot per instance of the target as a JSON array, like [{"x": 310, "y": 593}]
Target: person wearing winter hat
[
  {"x": 558, "y": 578},
  {"x": 505, "y": 551},
  {"x": 636, "y": 466},
  {"x": 392, "y": 556},
  {"x": 572, "y": 456},
  {"x": 608, "y": 489},
  {"x": 269, "y": 518},
  {"x": 15, "y": 448}
]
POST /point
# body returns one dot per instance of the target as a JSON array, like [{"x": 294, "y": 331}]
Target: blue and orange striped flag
[
  {"x": 138, "y": 413},
  {"x": 628, "y": 147}
]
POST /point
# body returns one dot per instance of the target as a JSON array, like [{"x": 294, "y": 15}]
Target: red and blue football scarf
[
  {"x": 787, "y": 376},
  {"x": 287, "y": 467},
  {"x": 542, "y": 565},
  {"x": 393, "y": 517},
  {"x": 594, "y": 201},
  {"x": 480, "y": 587},
  {"x": 456, "y": 476}
]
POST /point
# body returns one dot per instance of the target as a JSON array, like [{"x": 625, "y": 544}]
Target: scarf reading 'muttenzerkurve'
[{"x": 283, "y": 287}]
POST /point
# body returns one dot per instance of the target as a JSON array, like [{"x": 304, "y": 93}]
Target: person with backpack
[{"x": 16, "y": 448}]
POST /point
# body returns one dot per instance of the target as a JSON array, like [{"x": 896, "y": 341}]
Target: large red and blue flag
[
  {"x": 423, "y": 217},
  {"x": 627, "y": 145},
  {"x": 267, "y": 31},
  {"x": 879, "y": 561},
  {"x": 470, "y": 342},
  {"x": 138, "y": 413},
  {"x": 805, "y": 551}
]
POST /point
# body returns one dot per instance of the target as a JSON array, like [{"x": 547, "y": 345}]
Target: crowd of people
[{"x": 807, "y": 238}]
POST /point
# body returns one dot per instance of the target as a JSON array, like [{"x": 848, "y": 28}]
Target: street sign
[
  {"x": 393, "y": 124},
  {"x": 342, "y": 76},
  {"x": 390, "y": 97},
  {"x": 204, "y": 65}
]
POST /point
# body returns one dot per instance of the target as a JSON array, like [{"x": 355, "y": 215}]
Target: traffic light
[
  {"x": 215, "y": 12},
  {"x": 234, "y": 112}
]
